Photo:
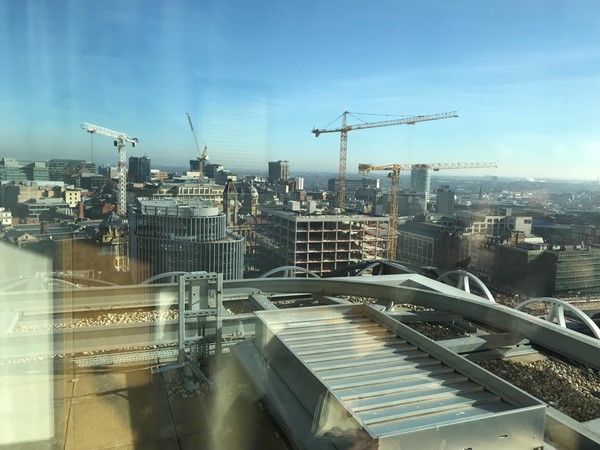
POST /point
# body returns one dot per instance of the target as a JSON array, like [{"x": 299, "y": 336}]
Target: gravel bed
[
  {"x": 108, "y": 319},
  {"x": 174, "y": 389},
  {"x": 240, "y": 307},
  {"x": 127, "y": 317},
  {"x": 355, "y": 299},
  {"x": 28, "y": 359},
  {"x": 573, "y": 391},
  {"x": 435, "y": 331}
]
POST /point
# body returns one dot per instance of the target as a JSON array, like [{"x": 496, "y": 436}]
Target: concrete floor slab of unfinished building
[{"x": 127, "y": 407}]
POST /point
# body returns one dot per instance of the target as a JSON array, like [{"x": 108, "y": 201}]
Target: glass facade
[{"x": 182, "y": 238}]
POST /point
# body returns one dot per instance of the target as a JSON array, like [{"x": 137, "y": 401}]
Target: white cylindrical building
[{"x": 166, "y": 236}]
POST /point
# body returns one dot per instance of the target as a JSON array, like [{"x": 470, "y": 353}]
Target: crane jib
[{"x": 344, "y": 137}]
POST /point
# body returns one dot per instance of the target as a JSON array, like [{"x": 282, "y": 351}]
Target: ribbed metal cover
[{"x": 359, "y": 378}]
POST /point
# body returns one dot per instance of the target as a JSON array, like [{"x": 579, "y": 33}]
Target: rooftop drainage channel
[{"x": 355, "y": 373}]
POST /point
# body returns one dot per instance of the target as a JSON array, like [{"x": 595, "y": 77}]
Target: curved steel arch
[
  {"x": 60, "y": 281},
  {"x": 382, "y": 266},
  {"x": 160, "y": 276},
  {"x": 557, "y": 312},
  {"x": 389, "y": 288},
  {"x": 44, "y": 282},
  {"x": 463, "y": 282},
  {"x": 96, "y": 281},
  {"x": 385, "y": 266},
  {"x": 288, "y": 272}
]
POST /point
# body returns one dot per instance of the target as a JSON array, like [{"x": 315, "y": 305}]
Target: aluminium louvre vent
[{"x": 360, "y": 375}]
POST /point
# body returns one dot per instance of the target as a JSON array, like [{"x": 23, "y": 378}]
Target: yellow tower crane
[
  {"x": 341, "y": 200},
  {"x": 202, "y": 156},
  {"x": 395, "y": 174}
]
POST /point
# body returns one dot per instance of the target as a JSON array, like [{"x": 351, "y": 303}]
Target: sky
[{"x": 257, "y": 77}]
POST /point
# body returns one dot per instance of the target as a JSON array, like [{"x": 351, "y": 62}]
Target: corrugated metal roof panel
[{"x": 358, "y": 371}]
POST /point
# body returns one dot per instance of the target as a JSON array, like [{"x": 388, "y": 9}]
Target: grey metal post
[{"x": 181, "y": 279}]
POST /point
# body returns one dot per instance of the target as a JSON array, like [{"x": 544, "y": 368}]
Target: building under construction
[
  {"x": 167, "y": 236},
  {"x": 321, "y": 243}
]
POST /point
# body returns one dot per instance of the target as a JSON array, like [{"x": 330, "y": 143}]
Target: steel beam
[
  {"x": 482, "y": 342},
  {"x": 396, "y": 289},
  {"x": 68, "y": 341},
  {"x": 159, "y": 296},
  {"x": 438, "y": 296}
]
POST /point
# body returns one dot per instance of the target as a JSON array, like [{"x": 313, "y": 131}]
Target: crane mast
[
  {"x": 120, "y": 140},
  {"x": 396, "y": 169},
  {"x": 202, "y": 156},
  {"x": 341, "y": 201}
]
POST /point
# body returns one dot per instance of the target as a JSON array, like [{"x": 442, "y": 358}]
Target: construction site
[{"x": 321, "y": 243}]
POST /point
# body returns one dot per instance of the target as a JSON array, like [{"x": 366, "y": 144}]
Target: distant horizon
[
  {"x": 467, "y": 173},
  {"x": 257, "y": 78}
]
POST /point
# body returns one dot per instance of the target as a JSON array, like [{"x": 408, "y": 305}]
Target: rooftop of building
[
  {"x": 304, "y": 216},
  {"x": 46, "y": 201},
  {"x": 184, "y": 181},
  {"x": 427, "y": 228},
  {"x": 172, "y": 206},
  {"x": 145, "y": 404},
  {"x": 36, "y": 183},
  {"x": 54, "y": 231}
]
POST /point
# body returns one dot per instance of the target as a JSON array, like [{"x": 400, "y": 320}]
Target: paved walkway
[{"x": 126, "y": 407}]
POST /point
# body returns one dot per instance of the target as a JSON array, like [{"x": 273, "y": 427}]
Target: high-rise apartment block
[
  {"x": 420, "y": 182},
  {"x": 444, "y": 201},
  {"x": 278, "y": 171},
  {"x": 139, "y": 169},
  {"x": 167, "y": 236},
  {"x": 298, "y": 183}
]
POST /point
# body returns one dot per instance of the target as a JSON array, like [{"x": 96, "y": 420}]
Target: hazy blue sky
[{"x": 257, "y": 76}]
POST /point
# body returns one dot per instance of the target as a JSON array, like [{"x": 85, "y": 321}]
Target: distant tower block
[
  {"x": 420, "y": 182},
  {"x": 444, "y": 201},
  {"x": 278, "y": 171},
  {"x": 139, "y": 169}
]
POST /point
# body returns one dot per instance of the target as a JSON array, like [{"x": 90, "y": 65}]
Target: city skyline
[{"x": 523, "y": 78}]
